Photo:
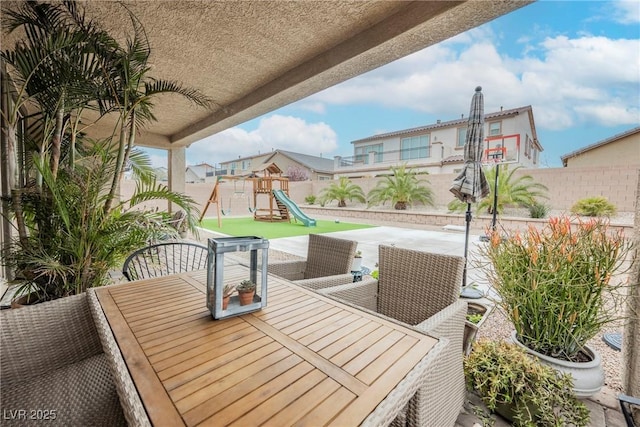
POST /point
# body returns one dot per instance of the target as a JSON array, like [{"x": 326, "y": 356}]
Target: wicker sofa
[
  {"x": 53, "y": 367},
  {"x": 421, "y": 289}
]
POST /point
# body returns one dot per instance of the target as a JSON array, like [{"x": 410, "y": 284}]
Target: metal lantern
[{"x": 217, "y": 278}]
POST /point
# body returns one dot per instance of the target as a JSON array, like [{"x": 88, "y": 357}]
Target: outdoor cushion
[{"x": 80, "y": 394}]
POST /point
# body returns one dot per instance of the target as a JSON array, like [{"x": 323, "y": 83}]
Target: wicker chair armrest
[
  {"x": 363, "y": 294},
  {"x": 439, "y": 400},
  {"x": 290, "y": 270},
  {"x": 396, "y": 404},
  {"x": 448, "y": 322},
  {"x": 132, "y": 406},
  {"x": 325, "y": 282},
  {"x": 41, "y": 338}
]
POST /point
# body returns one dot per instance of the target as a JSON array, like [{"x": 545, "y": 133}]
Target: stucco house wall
[{"x": 624, "y": 151}]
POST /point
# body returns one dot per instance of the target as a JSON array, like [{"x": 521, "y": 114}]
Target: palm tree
[
  {"x": 342, "y": 191},
  {"x": 131, "y": 92},
  {"x": 521, "y": 192},
  {"x": 71, "y": 227},
  {"x": 73, "y": 242},
  {"x": 402, "y": 188},
  {"x": 55, "y": 72}
]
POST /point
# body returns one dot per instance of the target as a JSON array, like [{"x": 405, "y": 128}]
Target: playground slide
[{"x": 294, "y": 209}]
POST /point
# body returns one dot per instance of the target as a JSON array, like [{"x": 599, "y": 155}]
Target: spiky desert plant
[
  {"x": 402, "y": 188},
  {"x": 342, "y": 191}
]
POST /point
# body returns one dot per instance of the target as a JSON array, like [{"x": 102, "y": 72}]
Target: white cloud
[
  {"x": 273, "y": 132},
  {"x": 314, "y": 107},
  {"x": 568, "y": 81},
  {"x": 626, "y": 12}
]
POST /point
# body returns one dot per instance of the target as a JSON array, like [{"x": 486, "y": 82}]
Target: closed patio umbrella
[{"x": 471, "y": 185}]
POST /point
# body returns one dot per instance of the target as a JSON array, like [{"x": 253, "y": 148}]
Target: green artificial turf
[{"x": 247, "y": 226}]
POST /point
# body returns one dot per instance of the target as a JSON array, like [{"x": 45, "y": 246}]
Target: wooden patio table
[{"x": 305, "y": 359}]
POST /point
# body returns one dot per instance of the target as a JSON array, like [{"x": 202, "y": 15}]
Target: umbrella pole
[
  {"x": 466, "y": 291},
  {"x": 495, "y": 199}
]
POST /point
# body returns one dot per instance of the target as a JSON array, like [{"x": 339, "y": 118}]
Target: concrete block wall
[{"x": 566, "y": 186}]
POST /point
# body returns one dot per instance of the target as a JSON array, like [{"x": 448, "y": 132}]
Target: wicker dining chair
[
  {"x": 54, "y": 368},
  {"x": 421, "y": 289},
  {"x": 328, "y": 263},
  {"x": 165, "y": 258}
]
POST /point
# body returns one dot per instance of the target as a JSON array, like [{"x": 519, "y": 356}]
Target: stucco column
[
  {"x": 631, "y": 338},
  {"x": 177, "y": 167}
]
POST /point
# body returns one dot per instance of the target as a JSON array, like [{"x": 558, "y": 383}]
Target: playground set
[{"x": 271, "y": 184}]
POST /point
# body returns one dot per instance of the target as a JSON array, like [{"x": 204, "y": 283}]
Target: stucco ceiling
[{"x": 253, "y": 57}]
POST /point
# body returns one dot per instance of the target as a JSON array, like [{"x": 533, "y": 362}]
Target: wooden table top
[{"x": 303, "y": 360}]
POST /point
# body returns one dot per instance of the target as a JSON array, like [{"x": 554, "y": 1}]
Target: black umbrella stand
[{"x": 468, "y": 292}]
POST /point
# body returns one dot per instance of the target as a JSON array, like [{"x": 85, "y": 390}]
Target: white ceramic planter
[
  {"x": 588, "y": 377},
  {"x": 356, "y": 265},
  {"x": 470, "y": 328}
]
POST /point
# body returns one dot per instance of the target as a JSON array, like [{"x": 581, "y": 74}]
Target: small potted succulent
[
  {"x": 520, "y": 388},
  {"x": 227, "y": 291},
  {"x": 246, "y": 290}
]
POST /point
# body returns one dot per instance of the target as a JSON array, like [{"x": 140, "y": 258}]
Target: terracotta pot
[
  {"x": 246, "y": 297},
  {"x": 225, "y": 302}
]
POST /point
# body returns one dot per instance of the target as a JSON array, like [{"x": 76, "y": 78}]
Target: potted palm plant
[
  {"x": 71, "y": 225},
  {"x": 557, "y": 287}
]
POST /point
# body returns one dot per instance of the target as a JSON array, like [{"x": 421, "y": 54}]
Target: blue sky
[{"x": 577, "y": 63}]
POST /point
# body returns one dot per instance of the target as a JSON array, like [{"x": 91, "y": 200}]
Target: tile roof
[{"x": 450, "y": 123}]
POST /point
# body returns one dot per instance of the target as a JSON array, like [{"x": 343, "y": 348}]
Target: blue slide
[{"x": 293, "y": 208}]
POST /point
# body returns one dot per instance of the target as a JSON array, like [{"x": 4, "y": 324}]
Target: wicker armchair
[
  {"x": 53, "y": 367},
  {"x": 328, "y": 263},
  {"x": 165, "y": 258},
  {"x": 421, "y": 289}
]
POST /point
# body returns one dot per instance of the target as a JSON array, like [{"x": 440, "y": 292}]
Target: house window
[
  {"x": 527, "y": 147},
  {"x": 415, "y": 147},
  {"x": 246, "y": 164},
  {"x": 234, "y": 166},
  {"x": 495, "y": 128},
  {"x": 362, "y": 153},
  {"x": 462, "y": 136}
]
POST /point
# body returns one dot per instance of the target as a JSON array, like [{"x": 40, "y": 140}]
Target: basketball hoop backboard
[{"x": 501, "y": 149}]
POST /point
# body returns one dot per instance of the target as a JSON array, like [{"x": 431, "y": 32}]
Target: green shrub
[
  {"x": 516, "y": 385},
  {"x": 310, "y": 199},
  {"x": 538, "y": 210},
  {"x": 593, "y": 206}
]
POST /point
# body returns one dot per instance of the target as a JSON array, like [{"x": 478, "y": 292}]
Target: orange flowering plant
[{"x": 555, "y": 284}]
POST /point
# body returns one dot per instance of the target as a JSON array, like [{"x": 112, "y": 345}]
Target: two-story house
[
  {"x": 202, "y": 172},
  {"x": 439, "y": 147},
  {"x": 316, "y": 168}
]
